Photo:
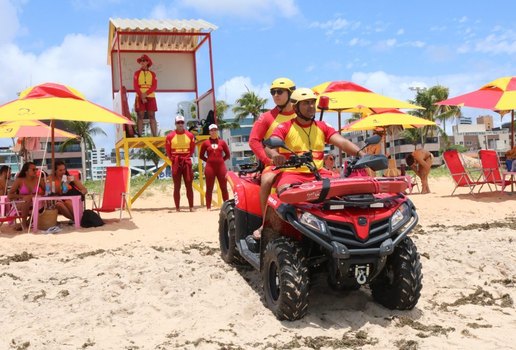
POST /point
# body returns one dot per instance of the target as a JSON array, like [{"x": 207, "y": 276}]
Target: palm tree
[
  {"x": 412, "y": 135},
  {"x": 249, "y": 103},
  {"x": 428, "y": 98},
  {"x": 86, "y": 131}
]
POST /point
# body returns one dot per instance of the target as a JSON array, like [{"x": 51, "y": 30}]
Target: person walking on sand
[
  {"x": 281, "y": 89},
  {"x": 180, "y": 146},
  {"x": 420, "y": 161},
  {"x": 215, "y": 152},
  {"x": 145, "y": 83}
]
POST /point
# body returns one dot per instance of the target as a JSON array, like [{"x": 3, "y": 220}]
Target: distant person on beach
[
  {"x": 420, "y": 161},
  {"x": 329, "y": 164},
  {"x": 180, "y": 146},
  {"x": 23, "y": 189},
  {"x": 281, "y": 89},
  {"x": 215, "y": 152},
  {"x": 5, "y": 175},
  {"x": 145, "y": 83}
]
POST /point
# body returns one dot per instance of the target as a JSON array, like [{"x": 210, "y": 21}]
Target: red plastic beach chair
[
  {"x": 491, "y": 167},
  {"x": 115, "y": 191},
  {"x": 458, "y": 172}
]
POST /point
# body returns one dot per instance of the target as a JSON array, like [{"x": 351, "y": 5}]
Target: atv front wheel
[
  {"x": 398, "y": 286},
  {"x": 227, "y": 233},
  {"x": 285, "y": 279}
]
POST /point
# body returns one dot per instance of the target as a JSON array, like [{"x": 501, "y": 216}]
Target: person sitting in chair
[
  {"x": 73, "y": 187},
  {"x": 24, "y": 188}
]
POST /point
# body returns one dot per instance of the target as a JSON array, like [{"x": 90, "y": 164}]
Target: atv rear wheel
[
  {"x": 285, "y": 279},
  {"x": 398, "y": 286},
  {"x": 227, "y": 234}
]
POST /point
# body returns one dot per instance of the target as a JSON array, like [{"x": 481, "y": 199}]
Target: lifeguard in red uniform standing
[
  {"x": 215, "y": 152},
  {"x": 180, "y": 146},
  {"x": 145, "y": 83}
]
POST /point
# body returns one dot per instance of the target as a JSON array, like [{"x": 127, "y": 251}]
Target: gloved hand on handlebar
[{"x": 278, "y": 159}]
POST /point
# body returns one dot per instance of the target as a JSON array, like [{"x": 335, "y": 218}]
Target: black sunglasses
[
  {"x": 277, "y": 92},
  {"x": 180, "y": 122}
]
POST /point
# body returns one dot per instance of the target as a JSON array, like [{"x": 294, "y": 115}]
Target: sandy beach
[{"x": 158, "y": 282}]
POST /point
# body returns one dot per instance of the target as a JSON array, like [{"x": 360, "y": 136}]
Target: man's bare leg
[
  {"x": 152, "y": 122},
  {"x": 267, "y": 181},
  {"x": 139, "y": 123}
]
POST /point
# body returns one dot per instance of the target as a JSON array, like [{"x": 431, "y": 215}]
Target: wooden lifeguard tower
[{"x": 174, "y": 48}]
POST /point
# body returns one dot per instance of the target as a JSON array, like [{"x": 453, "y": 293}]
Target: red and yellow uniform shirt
[
  {"x": 214, "y": 151},
  {"x": 145, "y": 81},
  {"x": 263, "y": 129},
  {"x": 180, "y": 144},
  {"x": 300, "y": 139}
]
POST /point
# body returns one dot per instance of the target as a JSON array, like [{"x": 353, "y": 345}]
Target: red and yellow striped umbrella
[
  {"x": 386, "y": 119},
  {"x": 498, "y": 95},
  {"x": 349, "y": 97},
  {"x": 51, "y": 101}
]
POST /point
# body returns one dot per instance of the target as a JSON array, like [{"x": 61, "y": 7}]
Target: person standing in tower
[
  {"x": 180, "y": 146},
  {"x": 145, "y": 83}
]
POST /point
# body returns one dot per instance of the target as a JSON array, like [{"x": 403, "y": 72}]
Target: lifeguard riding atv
[{"x": 355, "y": 229}]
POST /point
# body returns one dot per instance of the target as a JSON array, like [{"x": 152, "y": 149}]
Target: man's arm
[
  {"x": 168, "y": 145},
  {"x": 154, "y": 85},
  {"x": 136, "y": 83},
  {"x": 192, "y": 144},
  {"x": 345, "y": 145},
  {"x": 256, "y": 138}
]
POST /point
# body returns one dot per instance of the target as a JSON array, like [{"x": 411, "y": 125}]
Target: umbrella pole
[
  {"x": 512, "y": 128},
  {"x": 52, "y": 145},
  {"x": 340, "y": 151}
]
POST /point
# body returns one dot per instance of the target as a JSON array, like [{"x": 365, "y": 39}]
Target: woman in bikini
[
  {"x": 65, "y": 207},
  {"x": 24, "y": 188}
]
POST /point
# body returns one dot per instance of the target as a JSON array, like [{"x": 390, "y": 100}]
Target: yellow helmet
[
  {"x": 302, "y": 94},
  {"x": 283, "y": 83}
]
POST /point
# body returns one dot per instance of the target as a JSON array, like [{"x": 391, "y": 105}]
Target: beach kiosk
[{"x": 178, "y": 49}]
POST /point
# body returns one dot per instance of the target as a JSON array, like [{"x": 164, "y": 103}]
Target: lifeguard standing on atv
[{"x": 354, "y": 229}]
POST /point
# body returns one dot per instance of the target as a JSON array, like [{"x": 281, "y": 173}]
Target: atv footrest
[{"x": 252, "y": 257}]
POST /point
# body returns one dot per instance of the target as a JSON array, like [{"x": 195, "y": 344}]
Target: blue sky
[{"x": 386, "y": 46}]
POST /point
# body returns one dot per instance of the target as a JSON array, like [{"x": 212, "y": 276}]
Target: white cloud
[
  {"x": 400, "y": 31},
  {"x": 9, "y": 20},
  {"x": 503, "y": 43},
  {"x": 260, "y": 10},
  {"x": 161, "y": 11},
  {"x": 233, "y": 88},
  {"x": 463, "y": 19},
  {"x": 358, "y": 42},
  {"x": 331, "y": 26}
]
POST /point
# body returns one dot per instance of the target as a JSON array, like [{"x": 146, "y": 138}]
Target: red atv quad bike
[{"x": 355, "y": 229}]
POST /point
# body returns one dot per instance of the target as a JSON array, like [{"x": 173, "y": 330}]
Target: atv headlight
[
  {"x": 312, "y": 221},
  {"x": 400, "y": 217}
]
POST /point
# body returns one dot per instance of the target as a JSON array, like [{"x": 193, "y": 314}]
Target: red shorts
[{"x": 150, "y": 106}]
